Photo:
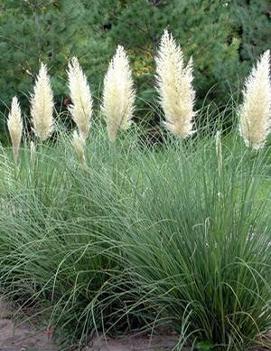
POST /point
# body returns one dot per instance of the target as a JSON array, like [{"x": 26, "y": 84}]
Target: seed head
[
  {"x": 32, "y": 152},
  {"x": 78, "y": 143},
  {"x": 174, "y": 85},
  {"x": 81, "y": 108},
  {"x": 255, "y": 112},
  {"x": 118, "y": 95},
  {"x": 15, "y": 126},
  {"x": 42, "y": 105}
]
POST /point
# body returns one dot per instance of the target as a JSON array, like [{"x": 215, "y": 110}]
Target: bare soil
[
  {"x": 16, "y": 336},
  {"x": 134, "y": 343}
]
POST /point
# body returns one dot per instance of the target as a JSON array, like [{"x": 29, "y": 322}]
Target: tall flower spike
[
  {"x": 42, "y": 105},
  {"x": 78, "y": 142},
  {"x": 174, "y": 85},
  {"x": 81, "y": 108},
  {"x": 118, "y": 94},
  {"x": 15, "y": 126},
  {"x": 32, "y": 152},
  {"x": 255, "y": 112}
]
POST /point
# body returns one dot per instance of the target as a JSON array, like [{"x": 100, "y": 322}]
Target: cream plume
[
  {"x": 42, "y": 105},
  {"x": 81, "y": 108},
  {"x": 15, "y": 126},
  {"x": 78, "y": 143},
  {"x": 174, "y": 84},
  {"x": 255, "y": 112},
  {"x": 32, "y": 152},
  {"x": 118, "y": 94}
]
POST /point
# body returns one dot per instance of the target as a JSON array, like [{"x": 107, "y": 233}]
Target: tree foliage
[{"x": 224, "y": 38}]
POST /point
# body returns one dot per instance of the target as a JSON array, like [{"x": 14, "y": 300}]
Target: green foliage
[
  {"x": 224, "y": 38},
  {"x": 204, "y": 31},
  {"x": 253, "y": 20},
  {"x": 213, "y": 33},
  {"x": 175, "y": 234},
  {"x": 51, "y": 31},
  {"x": 193, "y": 249}
]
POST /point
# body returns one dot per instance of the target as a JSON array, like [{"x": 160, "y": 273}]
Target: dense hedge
[{"x": 224, "y": 37}]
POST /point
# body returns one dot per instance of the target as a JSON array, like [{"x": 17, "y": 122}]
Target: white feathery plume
[
  {"x": 174, "y": 85},
  {"x": 118, "y": 95},
  {"x": 255, "y": 112},
  {"x": 78, "y": 142},
  {"x": 42, "y": 105},
  {"x": 32, "y": 152},
  {"x": 15, "y": 126},
  {"x": 81, "y": 108}
]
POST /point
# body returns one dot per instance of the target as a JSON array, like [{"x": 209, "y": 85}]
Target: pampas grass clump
[
  {"x": 175, "y": 236},
  {"x": 118, "y": 94},
  {"x": 15, "y": 126},
  {"x": 174, "y": 84},
  {"x": 42, "y": 105},
  {"x": 81, "y": 108},
  {"x": 255, "y": 112}
]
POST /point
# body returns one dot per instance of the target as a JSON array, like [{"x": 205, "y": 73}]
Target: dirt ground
[
  {"x": 21, "y": 337},
  {"x": 134, "y": 343},
  {"x": 24, "y": 337}
]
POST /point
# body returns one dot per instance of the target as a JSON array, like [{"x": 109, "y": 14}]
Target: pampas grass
[
  {"x": 174, "y": 85},
  {"x": 42, "y": 105},
  {"x": 78, "y": 143},
  {"x": 255, "y": 112},
  {"x": 81, "y": 108},
  {"x": 178, "y": 233},
  {"x": 32, "y": 151},
  {"x": 15, "y": 127},
  {"x": 118, "y": 95},
  {"x": 154, "y": 229}
]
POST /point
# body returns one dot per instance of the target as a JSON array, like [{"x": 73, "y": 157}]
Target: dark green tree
[
  {"x": 223, "y": 36},
  {"x": 51, "y": 31}
]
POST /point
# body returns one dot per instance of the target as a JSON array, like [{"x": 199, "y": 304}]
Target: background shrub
[{"x": 224, "y": 37}]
